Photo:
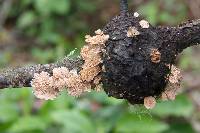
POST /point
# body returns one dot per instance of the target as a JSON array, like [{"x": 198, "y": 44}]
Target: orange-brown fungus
[
  {"x": 155, "y": 56},
  {"x": 132, "y": 32}
]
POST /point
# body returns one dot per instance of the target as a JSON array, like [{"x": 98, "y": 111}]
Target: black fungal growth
[{"x": 129, "y": 71}]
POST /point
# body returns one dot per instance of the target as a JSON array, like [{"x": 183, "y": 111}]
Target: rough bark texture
[
  {"x": 130, "y": 73},
  {"x": 21, "y": 77},
  {"x": 123, "y": 7}
]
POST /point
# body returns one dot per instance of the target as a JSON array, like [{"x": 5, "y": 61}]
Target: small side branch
[
  {"x": 21, "y": 77},
  {"x": 123, "y": 6},
  {"x": 185, "y": 35}
]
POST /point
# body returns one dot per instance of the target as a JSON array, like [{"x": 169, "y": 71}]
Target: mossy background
[{"x": 43, "y": 31}]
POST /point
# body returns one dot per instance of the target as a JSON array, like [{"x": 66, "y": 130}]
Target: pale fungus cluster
[
  {"x": 48, "y": 87},
  {"x": 171, "y": 90},
  {"x": 77, "y": 82},
  {"x": 149, "y": 102},
  {"x": 173, "y": 86}
]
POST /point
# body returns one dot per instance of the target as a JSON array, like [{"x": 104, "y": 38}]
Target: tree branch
[
  {"x": 183, "y": 36},
  {"x": 134, "y": 67},
  {"x": 188, "y": 34},
  {"x": 21, "y": 77}
]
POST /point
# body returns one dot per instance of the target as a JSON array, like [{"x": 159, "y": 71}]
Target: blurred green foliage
[
  {"x": 92, "y": 113},
  {"x": 59, "y": 27}
]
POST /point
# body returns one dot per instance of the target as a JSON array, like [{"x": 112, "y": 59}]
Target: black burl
[{"x": 129, "y": 71}]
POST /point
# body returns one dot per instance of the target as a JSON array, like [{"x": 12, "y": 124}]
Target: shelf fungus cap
[
  {"x": 144, "y": 24},
  {"x": 132, "y": 32},
  {"x": 100, "y": 38},
  {"x": 43, "y": 86},
  {"x": 75, "y": 85},
  {"x": 149, "y": 102}
]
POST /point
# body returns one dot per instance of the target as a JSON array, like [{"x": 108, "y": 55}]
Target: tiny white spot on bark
[{"x": 136, "y": 14}]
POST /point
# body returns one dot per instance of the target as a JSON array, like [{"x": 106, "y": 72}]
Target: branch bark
[
  {"x": 123, "y": 6},
  {"x": 21, "y": 77},
  {"x": 185, "y": 35},
  {"x": 188, "y": 34}
]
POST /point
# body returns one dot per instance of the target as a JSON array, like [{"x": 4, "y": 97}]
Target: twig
[
  {"x": 123, "y": 6},
  {"x": 21, "y": 77}
]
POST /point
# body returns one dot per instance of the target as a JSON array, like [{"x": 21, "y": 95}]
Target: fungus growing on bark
[
  {"x": 129, "y": 66},
  {"x": 168, "y": 94},
  {"x": 149, "y": 102},
  {"x": 48, "y": 87},
  {"x": 75, "y": 85},
  {"x": 132, "y": 32},
  {"x": 144, "y": 24},
  {"x": 175, "y": 75},
  {"x": 59, "y": 76},
  {"x": 155, "y": 56},
  {"x": 43, "y": 86}
]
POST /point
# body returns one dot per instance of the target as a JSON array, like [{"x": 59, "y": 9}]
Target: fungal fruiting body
[
  {"x": 128, "y": 58},
  {"x": 149, "y": 102},
  {"x": 76, "y": 82},
  {"x": 135, "y": 60}
]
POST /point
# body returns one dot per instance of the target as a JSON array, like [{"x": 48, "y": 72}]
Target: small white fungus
[{"x": 136, "y": 14}]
